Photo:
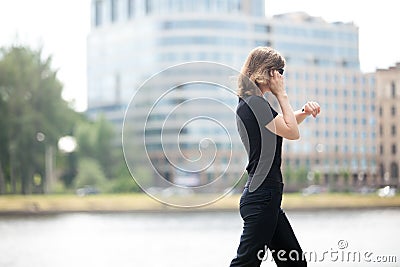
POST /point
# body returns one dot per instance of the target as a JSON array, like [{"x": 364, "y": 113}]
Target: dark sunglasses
[{"x": 280, "y": 71}]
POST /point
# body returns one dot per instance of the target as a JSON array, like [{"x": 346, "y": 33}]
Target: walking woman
[{"x": 262, "y": 130}]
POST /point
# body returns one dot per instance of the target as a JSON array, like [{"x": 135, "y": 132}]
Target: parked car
[
  {"x": 313, "y": 189},
  {"x": 366, "y": 190},
  {"x": 87, "y": 190},
  {"x": 176, "y": 191}
]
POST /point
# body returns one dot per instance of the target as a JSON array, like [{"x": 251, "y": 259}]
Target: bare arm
[
  {"x": 300, "y": 115},
  {"x": 284, "y": 125}
]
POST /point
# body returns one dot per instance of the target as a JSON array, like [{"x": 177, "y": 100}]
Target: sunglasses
[{"x": 280, "y": 71}]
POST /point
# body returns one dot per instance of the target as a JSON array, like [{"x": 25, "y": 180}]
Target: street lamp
[
  {"x": 67, "y": 144},
  {"x": 48, "y": 161}
]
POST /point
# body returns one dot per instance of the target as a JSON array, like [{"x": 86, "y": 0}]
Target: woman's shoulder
[
  {"x": 256, "y": 100},
  {"x": 259, "y": 103},
  {"x": 253, "y": 98}
]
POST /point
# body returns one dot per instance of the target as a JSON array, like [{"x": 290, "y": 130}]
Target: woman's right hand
[{"x": 276, "y": 83}]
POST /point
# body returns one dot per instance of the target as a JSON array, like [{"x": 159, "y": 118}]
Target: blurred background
[{"x": 69, "y": 69}]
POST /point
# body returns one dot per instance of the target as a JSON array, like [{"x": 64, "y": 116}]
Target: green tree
[
  {"x": 317, "y": 177},
  {"x": 3, "y": 144},
  {"x": 288, "y": 174},
  {"x": 90, "y": 174},
  {"x": 30, "y": 95},
  {"x": 95, "y": 139},
  {"x": 301, "y": 176}
]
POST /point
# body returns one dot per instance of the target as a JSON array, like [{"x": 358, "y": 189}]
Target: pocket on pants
[{"x": 264, "y": 196}]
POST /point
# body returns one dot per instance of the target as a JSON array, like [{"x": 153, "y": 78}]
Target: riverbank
[{"x": 51, "y": 204}]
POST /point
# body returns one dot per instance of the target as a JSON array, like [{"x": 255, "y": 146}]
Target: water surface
[{"x": 186, "y": 238}]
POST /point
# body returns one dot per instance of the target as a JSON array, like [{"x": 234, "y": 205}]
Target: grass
[
  {"x": 38, "y": 204},
  {"x": 338, "y": 200}
]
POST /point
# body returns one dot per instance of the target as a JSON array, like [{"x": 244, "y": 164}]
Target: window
[
  {"x": 297, "y": 163},
  {"x": 336, "y": 134},
  {"x": 394, "y": 169},
  {"x": 380, "y": 130},
  {"x": 336, "y": 119},
  {"x": 204, "y": 24},
  {"x": 394, "y": 130},
  {"x": 363, "y": 108},
  {"x": 257, "y": 8},
  {"x": 262, "y": 43},
  {"x": 354, "y": 149},
  {"x": 380, "y": 111},
  {"x": 233, "y": 6},
  {"x": 393, "y": 87},
  {"x": 131, "y": 8},
  {"x": 201, "y": 40},
  {"x": 393, "y": 111},
  {"x": 117, "y": 88},
  {"x": 381, "y": 170},
  {"x": 262, "y": 28},
  {"x": 336, "y": 148},
  {"x": 148, "y": 7},
  {"x": 394, "y": 149},
  {"x": 307, "y": 162},
  {"x": 381, "y": 150},
  {"x": 97, "y": 13},
  {"x": 364, "y": 93},
  {"x": 114, "y": 7}
]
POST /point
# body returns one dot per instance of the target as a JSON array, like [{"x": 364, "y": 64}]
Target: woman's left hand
[{"x": 311, "y": 108}]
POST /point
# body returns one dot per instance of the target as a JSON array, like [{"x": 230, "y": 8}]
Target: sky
[{"x": 61, "y": 27}]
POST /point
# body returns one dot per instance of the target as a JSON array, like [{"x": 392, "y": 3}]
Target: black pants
[{"x": 266, "y": 226}]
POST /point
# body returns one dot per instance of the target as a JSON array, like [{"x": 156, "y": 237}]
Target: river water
[{"x": 177, "y": 239}]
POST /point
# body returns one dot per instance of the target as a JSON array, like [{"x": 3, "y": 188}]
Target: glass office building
[{"x": 132, "y": 40}]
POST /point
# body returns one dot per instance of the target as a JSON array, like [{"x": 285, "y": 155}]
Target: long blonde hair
[{"x": 255, "y": 70}]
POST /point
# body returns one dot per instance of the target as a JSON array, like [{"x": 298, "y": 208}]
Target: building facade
[
  {"x": 338, "y": 148},
  {"x": 388, "y": 101},
  {"x": 131, "y": 40}
]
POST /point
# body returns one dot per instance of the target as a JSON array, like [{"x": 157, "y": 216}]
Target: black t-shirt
[{"x": 264, "y": 148}]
